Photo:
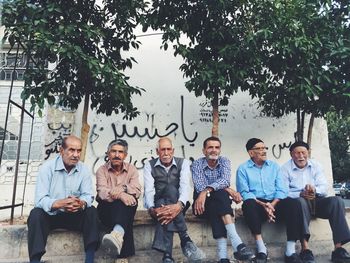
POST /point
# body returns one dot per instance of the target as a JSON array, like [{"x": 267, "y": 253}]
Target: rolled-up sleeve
[{"x": 42, "y": 190}]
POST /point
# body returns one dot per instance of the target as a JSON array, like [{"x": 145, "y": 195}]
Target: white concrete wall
[{"x": 167, "y": 108}]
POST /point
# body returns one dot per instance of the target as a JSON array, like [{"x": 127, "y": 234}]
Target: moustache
[{"x": 116, "y": 159}]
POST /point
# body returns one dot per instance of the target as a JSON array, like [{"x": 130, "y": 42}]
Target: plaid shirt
[{"x": 204, "y": 176}]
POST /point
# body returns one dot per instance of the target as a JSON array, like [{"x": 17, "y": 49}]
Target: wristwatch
[{"x": 208, "y": 193}]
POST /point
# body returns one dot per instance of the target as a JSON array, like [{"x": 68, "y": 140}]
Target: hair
[
  {"x": 211, "y": 138},
  {"x": 65, "y": 139},
  {"x": 251, "y": 143},
  {"x": 164, "y": 138},
  {"x": 118, "y": 142},
  {"x": 297, "y": 144}
]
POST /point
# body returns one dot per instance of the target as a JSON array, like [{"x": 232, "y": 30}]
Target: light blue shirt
[
  {"x": 150, "y": 191},
  {"x": 54, "y": 183},
  {"x": 297, "y": 178},
  {"x": 204, "y": 176},
  {"x": 264, "y": 182}
]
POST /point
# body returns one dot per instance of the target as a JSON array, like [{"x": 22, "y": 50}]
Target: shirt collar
[
  {"x": 60, "y": 165},
  {"x": 251, "y": 163},
  {"x": 109, "y": 166},
  {"x": 158, "y": 163},
  {"x": 294, "y": 167}
]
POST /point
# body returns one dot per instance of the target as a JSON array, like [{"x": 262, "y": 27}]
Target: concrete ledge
[{"x": 13, "y": 240}]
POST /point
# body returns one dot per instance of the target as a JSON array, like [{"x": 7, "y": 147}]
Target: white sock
[
  {"x": 119, "y": 229},
  {"x": 290, "y": 248},
  {"x": 233, "y": 236},
  {"x": 221, "y": 247},
  {"x": 261, "y": 246}
]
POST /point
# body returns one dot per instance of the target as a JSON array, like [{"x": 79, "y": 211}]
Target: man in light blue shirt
[
  {"x": 264, "y": 193},
  {"x": 308, "y": 185},
  {"x": 63, "y": 198}
]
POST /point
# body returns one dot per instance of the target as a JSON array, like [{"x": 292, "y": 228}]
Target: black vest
[{"x": 162, "y": 178}]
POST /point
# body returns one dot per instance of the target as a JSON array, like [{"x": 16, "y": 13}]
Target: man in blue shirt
[
  {"x": 63, "y": 198},
  {"x": 308, "y": 185},
  {"x": 211, "y": 179},
  {"x": 264, "y": 193}
]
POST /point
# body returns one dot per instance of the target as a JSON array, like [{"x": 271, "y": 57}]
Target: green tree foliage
[
  {"x": 212, "y": 36},
  {"x": 84, "y": 41},
  {"x": 306, "y": 59},
  {"x": 87, "y": 45},
  {"x": 339, "y": 142}
]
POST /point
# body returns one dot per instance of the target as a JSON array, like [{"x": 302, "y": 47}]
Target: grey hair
[
  {"x": 118, "y": 142},
  {"x": 164, "y": 138}
]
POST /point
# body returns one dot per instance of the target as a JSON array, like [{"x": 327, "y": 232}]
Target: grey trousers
[
  {"x": 331, "y": 208},
  {"x": 163, "y": 236}
]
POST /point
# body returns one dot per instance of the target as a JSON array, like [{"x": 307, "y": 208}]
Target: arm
[
  {"x": 133, "y": 186},
  {"x": 102, "y": 185},
  {"x": 321, "y": 185},
  {"x": 242, "y": 184},
  {"x": 198, "y": 177},
  {"x": 149, "y": 192},
  {"x": 184, "y": 189},
  {"x": 280, "y": 184},
  {"x": 42, "y": 189},
  {"x": 86, "y": 192}
]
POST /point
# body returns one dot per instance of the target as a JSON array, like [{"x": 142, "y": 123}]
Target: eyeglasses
[{"x": 260, "y": 148}]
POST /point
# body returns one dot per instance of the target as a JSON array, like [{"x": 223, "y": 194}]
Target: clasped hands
[
  {"x": 166, "y": 213},
  {"x": 309, "y": 192},
  {"x": 69, "y": 204}
]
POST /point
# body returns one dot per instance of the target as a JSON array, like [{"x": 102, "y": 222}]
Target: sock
[
  {"x": 261, "y": 246},
  {"x": 167, "y": 255},
  {"x": 290, "y": 248},
  {"x": 221, "y": 247},
  {"x": 233, "y": 236},
  {"x": 90, "y": 253},
  {"x": 184, "y": 238},
  {"x": 119, "y": 228}
]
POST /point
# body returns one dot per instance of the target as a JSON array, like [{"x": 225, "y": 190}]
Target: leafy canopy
[{"x": 85, "y": 42}]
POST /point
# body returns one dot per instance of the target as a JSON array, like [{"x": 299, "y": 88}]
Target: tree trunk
[
  {"x": 215, "y": 105},
  {"x": 309, "y": 132},
  {"x": 85, "y": 128}
]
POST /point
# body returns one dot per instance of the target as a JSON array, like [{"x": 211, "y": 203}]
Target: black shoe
[
  {"x": 261, "y": 258},
  {"x": 306, "y": 256},
  {"x": 294, "y": 258},
  {"x": 340, "y": 255},
  {"x": 243, "y": 252},
  {"x": 224, "y": 260}
]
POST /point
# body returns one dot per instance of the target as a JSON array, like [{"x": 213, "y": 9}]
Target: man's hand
[
  {"x": 269, "y": 209},
  {"x": 309, "y": 192},
  {"x": 166, "y": 213},
  {"x": 70, "y": 204},
  {"x": 235, "y": 196},
  {"x": 128, "y": 200},
  {"x": 199, "y": 204}
]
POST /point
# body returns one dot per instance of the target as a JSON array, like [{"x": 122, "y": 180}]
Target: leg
[{"x": 38, "y": 231}]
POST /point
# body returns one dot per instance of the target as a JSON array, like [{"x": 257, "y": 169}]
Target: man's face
[
  {"x": 258, "y": 153},
  {"x": 71, "y": 154},
  {"x": 165, "y": 152},
  {"x": 300, "y": 156},
  {"x": 117, "y": 155},
  {"x": 212, "y": 150}
]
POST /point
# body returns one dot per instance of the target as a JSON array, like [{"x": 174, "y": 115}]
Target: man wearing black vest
[{"x": 167, "y": 186}]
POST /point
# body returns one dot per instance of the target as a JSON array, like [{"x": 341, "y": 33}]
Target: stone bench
[{"x": 63, "y": 245}]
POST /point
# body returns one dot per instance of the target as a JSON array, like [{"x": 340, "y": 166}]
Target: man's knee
[
  {"x": 36, "y": 215},
  {"x": 336, "y": 202}
]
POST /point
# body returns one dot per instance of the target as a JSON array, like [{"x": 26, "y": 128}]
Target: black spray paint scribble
[
  {"x": 58, "y": 133},
  {"x": 128, "y": 131},
  {"x": 278, "y": 148}
]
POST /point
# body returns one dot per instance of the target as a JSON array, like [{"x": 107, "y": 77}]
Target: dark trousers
[
  {"x": 216, "y": 206},
  {"x": 116, "y": 212},
  {"x": 163, "y": 236},
  {"x": 41, "y": 223},
  {"x": 331, "y": 208},
  {"x": 287, "y": 210}
]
